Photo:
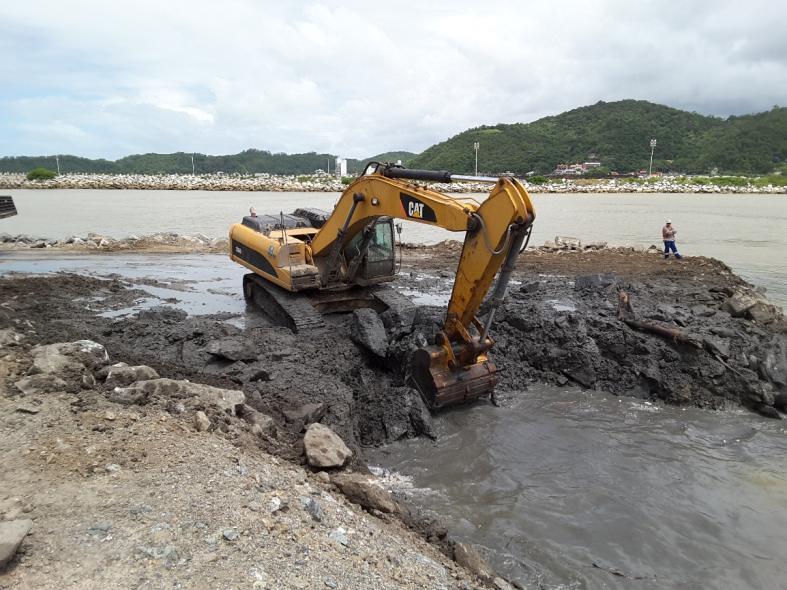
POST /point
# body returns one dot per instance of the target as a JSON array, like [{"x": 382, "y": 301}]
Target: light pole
[
  {"x": 192, "y": 165},
  {"x": 476, "y": 145},
  {"x": 652, "y": 147},
  {"x": 57, "y": 161}
]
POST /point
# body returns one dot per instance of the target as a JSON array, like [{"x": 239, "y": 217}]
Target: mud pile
[{"x": 561, "y": 328}]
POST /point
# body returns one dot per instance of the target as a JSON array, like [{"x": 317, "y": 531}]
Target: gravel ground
[{"x": 135, "y": 497}]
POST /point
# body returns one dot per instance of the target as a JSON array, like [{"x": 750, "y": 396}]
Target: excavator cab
[{"x": 375, "y": 246}]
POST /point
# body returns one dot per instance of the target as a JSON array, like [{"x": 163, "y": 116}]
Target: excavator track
[{"x": 291, "y": 310}]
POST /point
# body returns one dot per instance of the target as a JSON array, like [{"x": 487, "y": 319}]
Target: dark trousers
[{"x": 670, "y": 245}]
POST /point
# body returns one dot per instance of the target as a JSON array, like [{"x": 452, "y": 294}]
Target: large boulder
[
  {"x": 368, "y": 330},
  {"x": 324, "y": 448},
  {"x": 69, "y": 356},
  {"x": 12, "y": 532},
  {"x": 122, "y": 376},
  {"x": 365, "y": 491}
]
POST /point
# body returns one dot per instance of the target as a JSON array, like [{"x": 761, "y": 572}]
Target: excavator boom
[{"x": 349, "y": 248}]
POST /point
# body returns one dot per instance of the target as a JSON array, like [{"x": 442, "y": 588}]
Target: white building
[{"x": 341, "y": 167}]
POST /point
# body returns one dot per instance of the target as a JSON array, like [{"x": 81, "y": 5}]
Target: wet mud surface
[{"x": 560, "y": 324}]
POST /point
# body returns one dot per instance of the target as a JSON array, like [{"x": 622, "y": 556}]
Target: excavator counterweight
[{"x": 341, "y": 258}]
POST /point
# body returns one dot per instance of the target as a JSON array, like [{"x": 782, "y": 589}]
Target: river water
[
  {"x": 748, "y": 232},
  {"x": 567, "y": 489},
  {"x": 575, "y": 489}
]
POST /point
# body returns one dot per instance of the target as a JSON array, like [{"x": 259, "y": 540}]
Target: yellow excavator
[{"x": 339, "y": 259}]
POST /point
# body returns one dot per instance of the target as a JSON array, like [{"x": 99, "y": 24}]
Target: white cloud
[{"x": 109, "y": 78}]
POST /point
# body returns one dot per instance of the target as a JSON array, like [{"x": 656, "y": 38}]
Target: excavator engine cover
[{"x": 442, "y": 386}]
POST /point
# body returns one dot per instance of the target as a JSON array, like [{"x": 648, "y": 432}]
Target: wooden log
[{"x": 627, "y": 315}]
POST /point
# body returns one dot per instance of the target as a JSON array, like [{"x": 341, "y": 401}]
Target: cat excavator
[{"x": 312, "y": 262}]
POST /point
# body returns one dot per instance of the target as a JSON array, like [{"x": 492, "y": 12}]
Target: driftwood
[{"x": 626, "y": 314}]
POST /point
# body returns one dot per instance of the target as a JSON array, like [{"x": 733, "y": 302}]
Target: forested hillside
[{"x": 618, "y": 135}]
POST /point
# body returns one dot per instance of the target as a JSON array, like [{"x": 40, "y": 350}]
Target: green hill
[
  {"x": 246, "y": 162},
  {"x": 618, "y": 134}
]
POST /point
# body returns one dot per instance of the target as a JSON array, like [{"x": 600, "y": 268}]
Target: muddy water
[
  {"x": 573, "y": 489},
  {"x": 567, "y": 489},
  {"x": 745, "y": 231}
]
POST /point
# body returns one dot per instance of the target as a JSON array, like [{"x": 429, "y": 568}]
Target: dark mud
[{"x": 559, "y": 324}]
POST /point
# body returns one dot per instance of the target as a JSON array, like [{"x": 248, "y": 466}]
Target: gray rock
[
  {"x": 12, "y": 532},
  {"x": 324, "y": 448},
  {"x": 63, "y": 356},
  {"x": 312, "y": 507},
  {"x": 365, "y": 491},
  {"x": 595, "y": 281},
  {"x": 102, "y": 373},
  {"x": 128, "y": 396},
  {"x": 340, "y": 536},
  {"x": 201, "y": 422},
  {"x": 232, "y": 348},
  {"x": 230, "y": 534},
  {"x": 568, "y": 243},
  {"x": 123, "y": 376},
  {"x": 780, "y": 402},
  {"x": 367, "y": 330},
  {"x": 39, "y": 384},
  {"x": 9, "y": 337},
  {"x": 762, "y": 313},
  {"x": 262, "y": 424},
  {"x": 740, "y": 302}
]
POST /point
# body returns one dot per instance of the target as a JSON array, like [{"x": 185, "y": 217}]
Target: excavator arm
[{"x": 456, "y": 367}]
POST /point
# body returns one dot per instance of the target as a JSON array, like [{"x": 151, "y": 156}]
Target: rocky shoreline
[
  {"x": 687, "y": 332},
  {"x": 326, "y": 183}
]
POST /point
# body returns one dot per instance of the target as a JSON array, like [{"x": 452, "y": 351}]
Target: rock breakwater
[{"x": 325, "y": 183}]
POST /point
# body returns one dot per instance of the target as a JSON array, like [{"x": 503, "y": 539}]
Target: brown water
[
  {"x": 574, "y": 489},
  {"x": 748, "y": 232}
]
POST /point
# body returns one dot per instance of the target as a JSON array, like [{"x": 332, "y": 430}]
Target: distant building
[
  {"x": 575, "y": 169},
  {"x": 341, "y": 167}
]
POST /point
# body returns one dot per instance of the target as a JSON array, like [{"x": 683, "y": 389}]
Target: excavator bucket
[{"x": 442, "y": 386}]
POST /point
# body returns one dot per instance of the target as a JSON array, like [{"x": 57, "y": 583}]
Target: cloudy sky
[{"x": 103, "y": 78}]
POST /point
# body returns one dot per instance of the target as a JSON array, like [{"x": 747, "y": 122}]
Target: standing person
[{"x": 668, "y": 235}]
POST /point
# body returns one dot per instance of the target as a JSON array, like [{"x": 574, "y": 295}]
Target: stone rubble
[
  {"x": 327, "y": 183},
  {"x": 295, "y": 513}
]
